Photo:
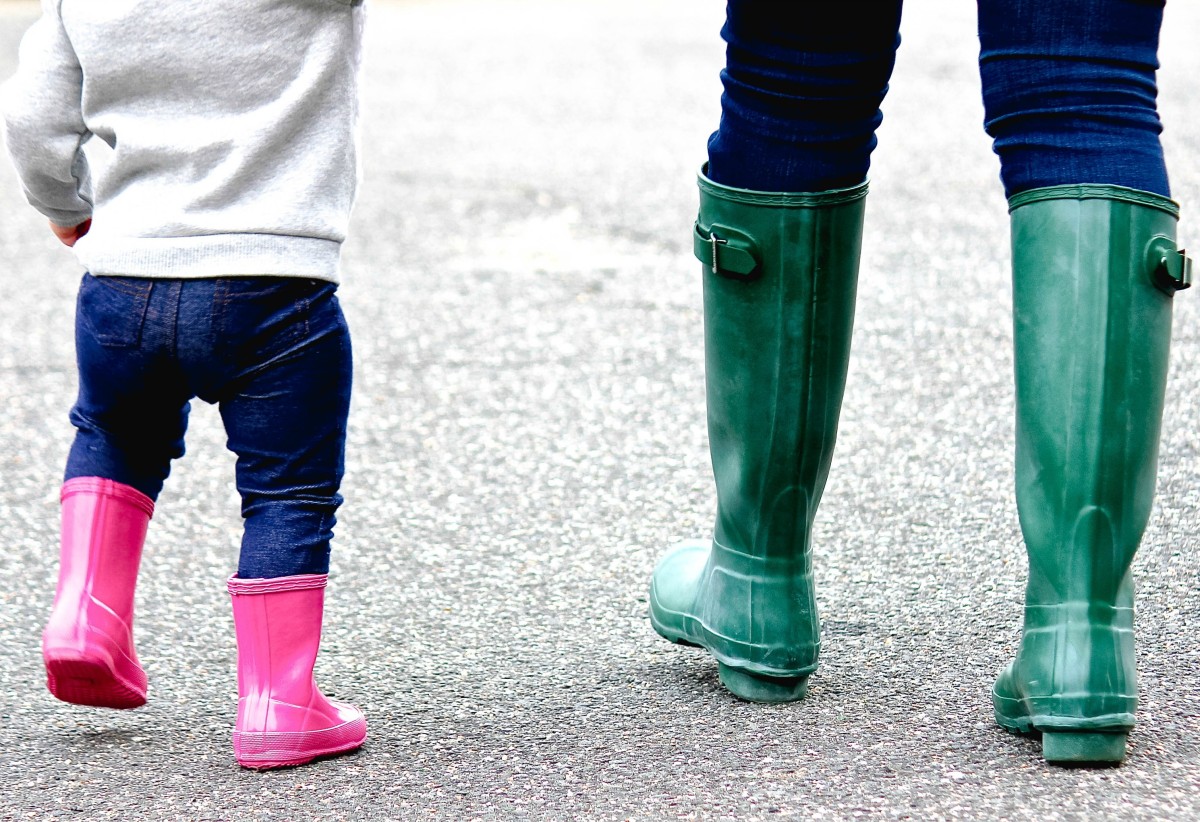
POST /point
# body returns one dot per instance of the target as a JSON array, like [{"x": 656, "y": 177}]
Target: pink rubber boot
[
  {"x": 283, "y": 719},
  {"x": 88, "y": 642}
]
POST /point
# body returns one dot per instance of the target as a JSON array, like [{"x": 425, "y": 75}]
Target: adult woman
[{"x": 1069, "y": 93}]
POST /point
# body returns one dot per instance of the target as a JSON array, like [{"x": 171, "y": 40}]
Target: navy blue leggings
[
  {"x": 1068, "y": 90},
  {"x": 272, "y": 352}
]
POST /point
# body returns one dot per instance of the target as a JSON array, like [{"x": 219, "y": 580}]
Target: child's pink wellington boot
[
  {"x": 88, "y": 643},
  {"x": 283, "y": 719}
]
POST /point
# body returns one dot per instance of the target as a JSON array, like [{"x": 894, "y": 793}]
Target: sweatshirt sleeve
[{"x": 43, "y": 122}]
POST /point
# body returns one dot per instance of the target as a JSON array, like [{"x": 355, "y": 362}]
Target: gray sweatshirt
[{"x": 226, "y": 132}]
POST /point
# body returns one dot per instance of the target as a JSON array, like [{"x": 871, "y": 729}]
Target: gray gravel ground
[{"x": 528, "y": 436}]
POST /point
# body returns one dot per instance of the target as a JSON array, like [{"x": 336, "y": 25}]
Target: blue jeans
[
  {"x": 274, "y": 355},
  {"x": 1068, "y": 89}
]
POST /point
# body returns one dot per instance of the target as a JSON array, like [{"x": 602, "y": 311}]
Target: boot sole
[
  {"x": 761, "y": 688},
  {"x": 287, "y": 749},
  {"x": 745, "y": 685},
  {"x": 1067, "y": 747},
  {"x": 77, "y": 679}
]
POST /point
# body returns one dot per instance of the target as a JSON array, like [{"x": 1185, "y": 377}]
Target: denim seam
[{"x": 221, "y": 300}]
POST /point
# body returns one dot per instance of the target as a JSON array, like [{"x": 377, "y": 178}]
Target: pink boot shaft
[
  {"x": 88, "y": 643},
  {"x": 283, "y": 719}
]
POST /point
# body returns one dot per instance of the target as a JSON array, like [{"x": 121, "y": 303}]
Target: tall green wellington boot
[
  {"x": 1094, "y": 271},
  {"x": 780, "y": 274}
]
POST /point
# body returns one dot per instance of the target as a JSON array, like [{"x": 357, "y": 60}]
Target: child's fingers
[{"x": 68, "y": 235}]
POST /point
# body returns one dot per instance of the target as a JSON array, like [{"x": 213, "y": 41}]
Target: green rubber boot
[
  {"x": 778, "y": 312},
  {"x": 1094, "y": 271}
]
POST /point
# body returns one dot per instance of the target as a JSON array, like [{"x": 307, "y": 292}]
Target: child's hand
[{"x": 69, "y": 236}]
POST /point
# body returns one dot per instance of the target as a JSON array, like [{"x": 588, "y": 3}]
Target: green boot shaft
[
  {"x": 1092, "y": 332},
  {"x": 776, "y": 352},
  {"x": 778, "y": 309},
  {"x": 1092, "y": 271}
]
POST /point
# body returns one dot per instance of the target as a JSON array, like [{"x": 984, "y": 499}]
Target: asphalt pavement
[{"x": 527, "y": 437}]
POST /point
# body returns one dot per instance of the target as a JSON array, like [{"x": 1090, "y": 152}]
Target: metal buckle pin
[{"x": 715, "y": 241}]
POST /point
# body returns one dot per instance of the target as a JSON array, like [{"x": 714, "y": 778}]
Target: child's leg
[
  {"x": 285, "y": 411},
  {"x": 287, "y": 350},
  {"x": 131, "y": 414}
]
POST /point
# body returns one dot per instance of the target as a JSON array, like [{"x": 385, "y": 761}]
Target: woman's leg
[
  {"x": 1069, "y": 91},
  {"x": 803, "y": 88},
  {"x": 778, "y": 233}
]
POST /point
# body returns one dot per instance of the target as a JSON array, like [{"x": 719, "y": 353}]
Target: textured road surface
[{"x": 528, "y": 436}]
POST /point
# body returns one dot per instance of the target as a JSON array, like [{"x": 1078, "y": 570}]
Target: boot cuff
[
  {"x": 300, "y": 582},
  {"x": 108, "y": 488},
  {"x": 780, "y": 199},
  {"x": 1095, "y": 191}
]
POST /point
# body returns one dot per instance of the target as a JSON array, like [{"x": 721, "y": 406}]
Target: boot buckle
[
  {"x": 726, "y": 252},
  {"x": 716, "y": 241},
  {"x": 1170, "y": 267}
]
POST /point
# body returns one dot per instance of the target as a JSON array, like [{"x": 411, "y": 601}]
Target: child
[{"x": 211, "y": 227}]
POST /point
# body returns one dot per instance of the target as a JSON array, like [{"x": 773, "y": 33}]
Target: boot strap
[
  {"x": 726, "y": 251},
  {"x": 1170, "y": 267}
]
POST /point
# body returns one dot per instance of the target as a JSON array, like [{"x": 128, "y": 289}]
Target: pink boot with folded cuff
[
  {"x": 88, "y": 643},
  {"x": 283, "y": 718}
]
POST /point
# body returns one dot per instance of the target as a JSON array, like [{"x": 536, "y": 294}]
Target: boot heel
[
  {"x": 761, "y": 688},
  {"x": 1083, "y": 747},
  {"x": 74, "y": 678}
]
